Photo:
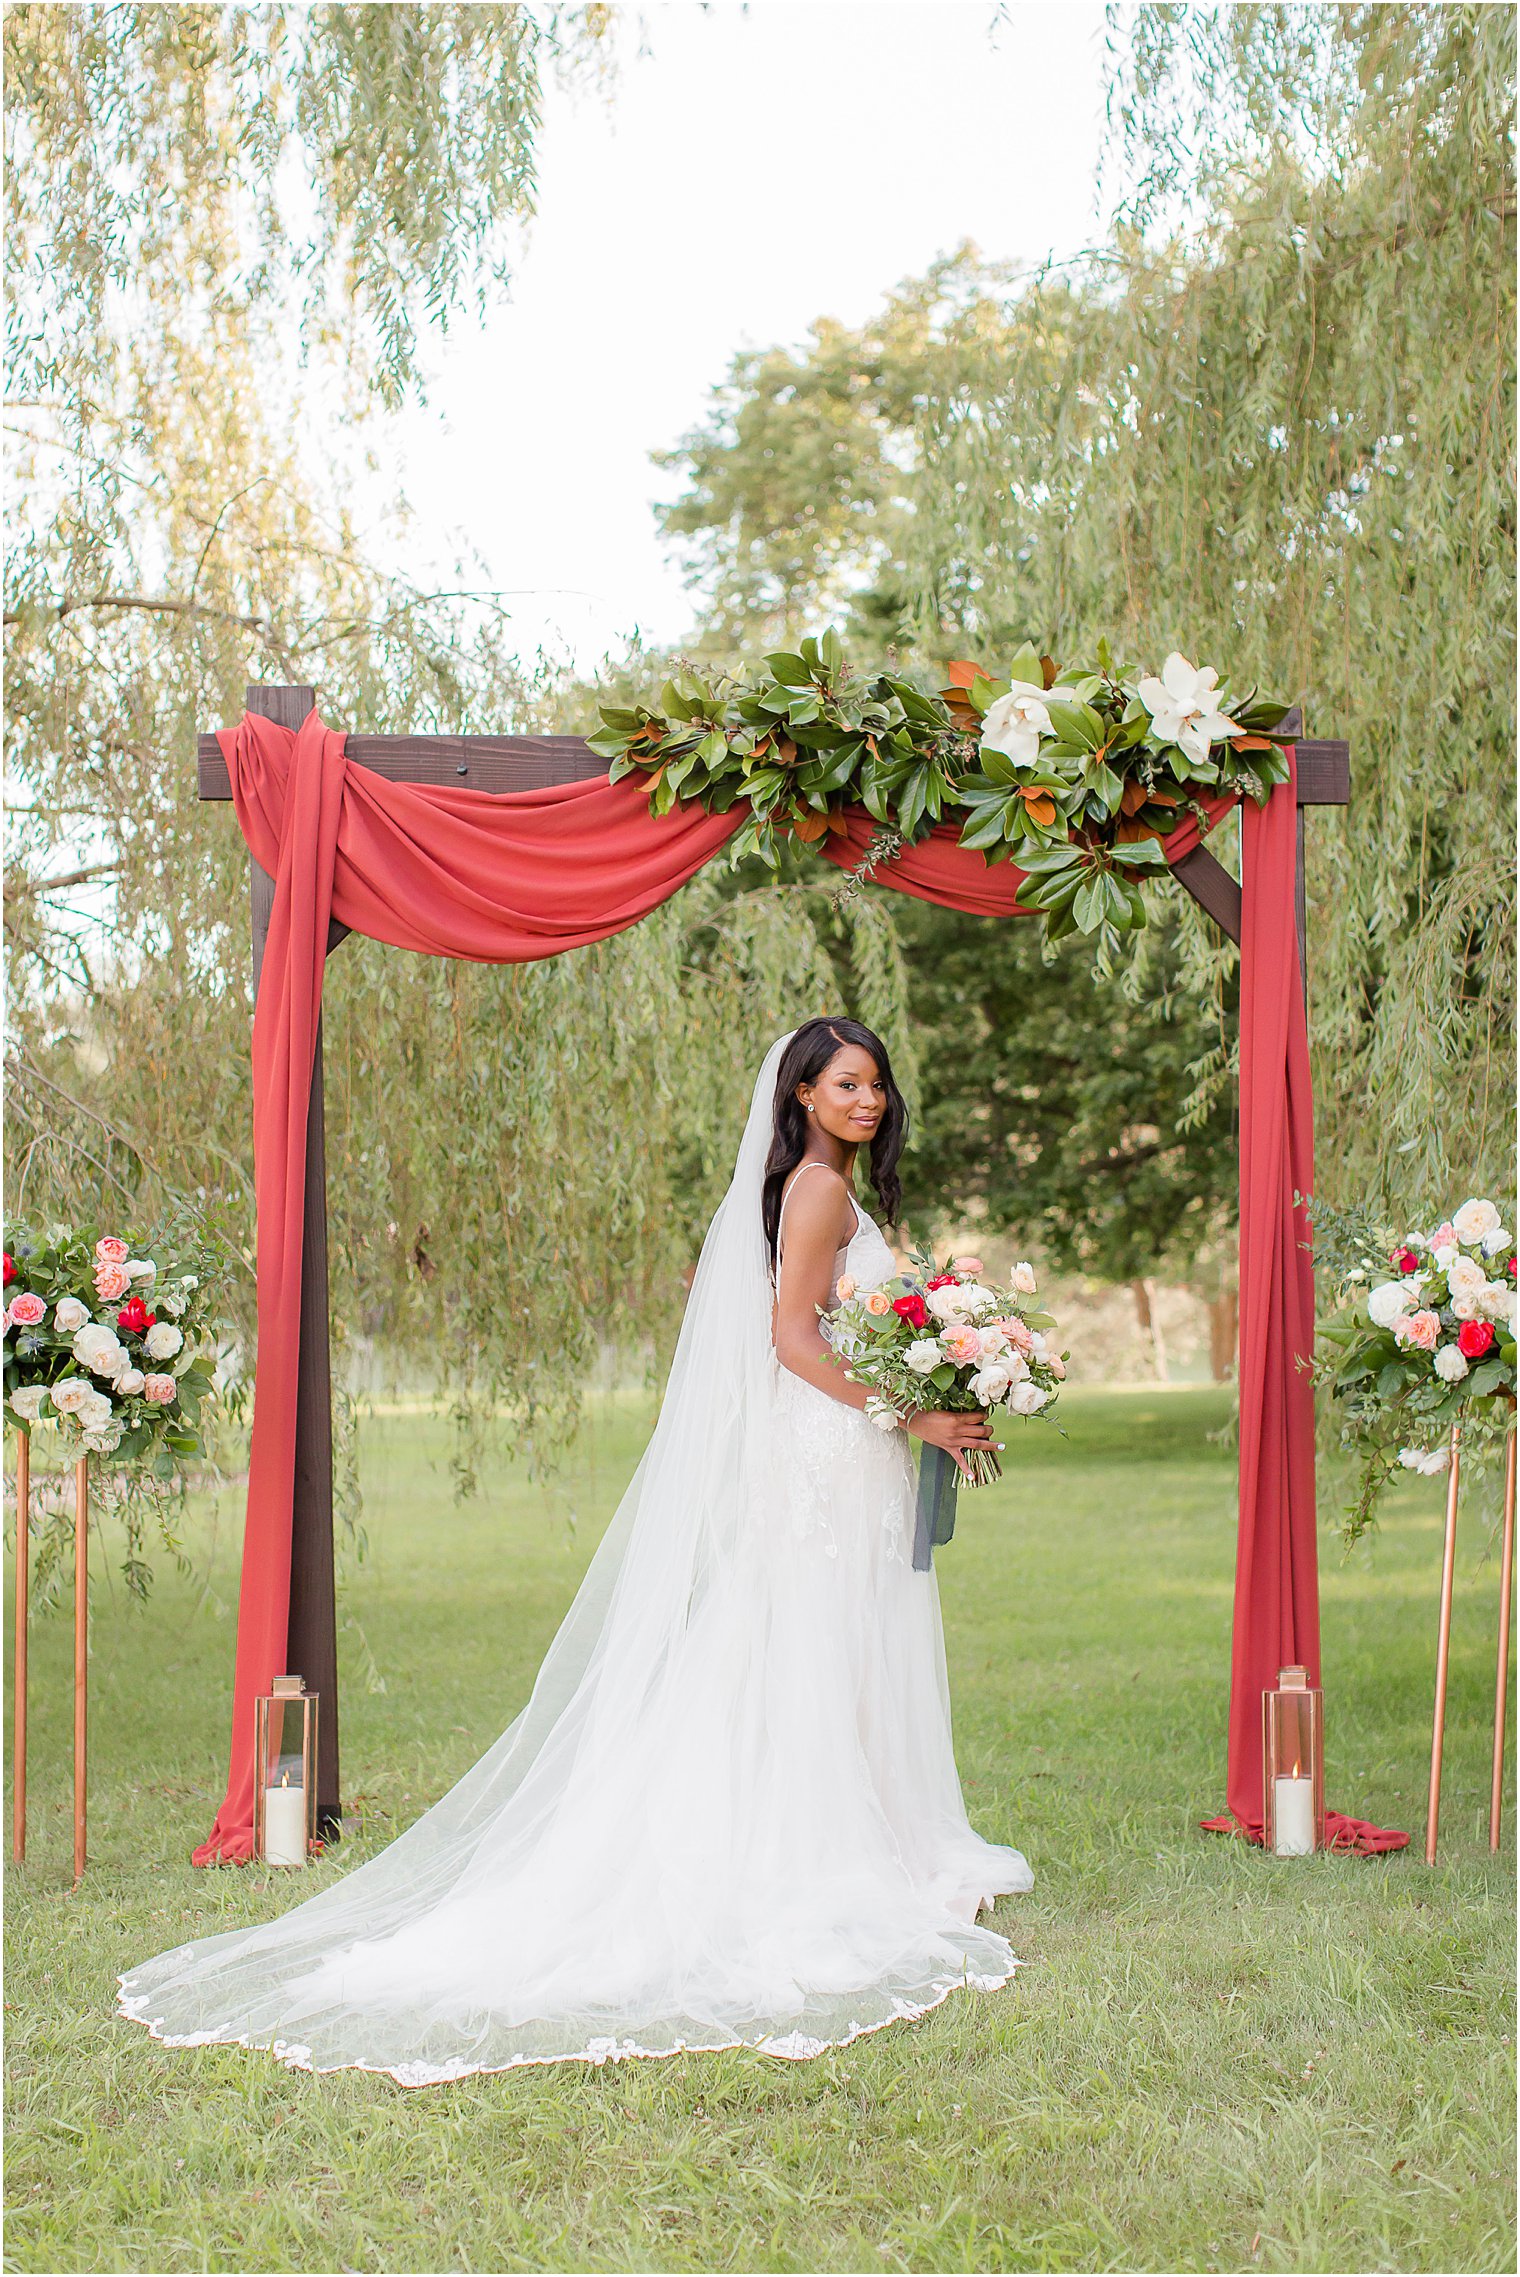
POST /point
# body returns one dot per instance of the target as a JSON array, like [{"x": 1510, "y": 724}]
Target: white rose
[
  {"x": 1450, "y": 1364},
  {"x": 99, "y": 1349},
  {"x": 947, "y": 1304},
  {"x": 1027, "y": 1399},
  {"x": 170, "y": 1301},
  {"x": 1495, "y": 1243},
  {"x": 978, "y": 1300},
  {"x": 1390, "y": 1298},
  {"x": 1465, "y": 1277},
  {"x": 27, "y": 1403},
  {"x": 1428, "y": 1461},
  {"x": 1024, "y": 1278},
  {"x": 130, "y": 1382},
  {"x": 1015, "y": 723},
  {"x": 1494, "y": 1301},
  {"x": 1017, "y": 1366},
  {"x": 1447, "y": 1255},
  {"x": 69, "y": 1314},
  {"x": 883, "y": 1414},
  {"x": 924, "y": 1356},
  {"x": 162, "y": 1341},
  {"x": 189, "y": 1280},
  {"x": 140, "y": 1268},
  {"x": 94, "y": 1411},
  {"x": 1474, "y": 1220},
  {"x": 106, "y": 1440},
  {"x": 1465, "y": 1308},
  {"x": 990, "y": 1382},
  {"x": 69, "y": 1391}
]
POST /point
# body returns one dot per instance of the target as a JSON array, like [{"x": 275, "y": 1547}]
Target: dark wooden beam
[
  {"x": 1217, "y": 894},
  {"x": 312, "y": 1632}
]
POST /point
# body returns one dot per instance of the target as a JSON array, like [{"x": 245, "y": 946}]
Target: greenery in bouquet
[
  {"x": 113, "y": 1343},
  {"x": 939, "y": 1336},
  {"x": 1425, "y": 1339},
  {"x": 1077, "y": 772}
]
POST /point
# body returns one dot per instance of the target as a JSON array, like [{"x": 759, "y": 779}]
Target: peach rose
[
  {"x": 111, "y": 1282},
  {"x": 878, "y": 1302},
  {"x": 971, "y": 1265},
  {"x": 962, "y": 1344},
  {"x": 844, "y": 1287},
  {"x": 1421, "y": 1329},
  {"x": 159, "y": 1389},
  {"x": 110, "y": 1251},
  {"x": 1020, "y": 1337}
]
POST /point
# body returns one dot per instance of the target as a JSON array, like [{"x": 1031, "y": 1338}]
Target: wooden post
[
  {"x": 81, "y": 1658},
  {"x": 18, "y": 1672},
  {"x": 312, "y": 1633},
  {"x": 1501, "y": 1680},
  {"x": 1443, "y": 1647}
]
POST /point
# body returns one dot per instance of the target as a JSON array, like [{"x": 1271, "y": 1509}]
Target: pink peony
[
  {"x": 110, "y": 1251},
  {"x": 160, "y": 1389},
  {"x": 111, "y": 1282},
  {"x": 26, "y": 1310},
  {"x": 963, "y": 1344},
  {"x": 1421, "y": 1329}
]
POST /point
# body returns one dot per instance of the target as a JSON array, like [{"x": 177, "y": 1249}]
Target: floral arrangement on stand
[
  {"x": 1077, "y": 772},
  {"x": 1428, "y": 1341}
]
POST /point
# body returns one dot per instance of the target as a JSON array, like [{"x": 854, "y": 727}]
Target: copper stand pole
[
  {"x": 1443, "y": 1648},
  {"x": 18, "y": 1675},
  {"x": 1501, "y": 1681},
  {"x": 81, "y": 1654}
]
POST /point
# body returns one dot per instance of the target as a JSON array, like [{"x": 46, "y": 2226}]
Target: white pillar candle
[
  {"x": 285, "y": 1826},
  {"x": 1293, "y": 1817}
]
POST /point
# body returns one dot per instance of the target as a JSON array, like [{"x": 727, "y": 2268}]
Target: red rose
[
  {"x": 913, "y": 1309},
  {"x": 1405, "y": 1261},
  {"x": 944, "y": 1281},
  {"x": 1511, "y": 1269},
  {"x": 10, "y": 1266},
  {"x": 135, "y": 1314},
  {"x": 1475, "y": 1337}
]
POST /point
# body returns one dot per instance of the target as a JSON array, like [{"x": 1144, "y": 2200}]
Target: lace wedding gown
[{"x": 729, "y": 1815}]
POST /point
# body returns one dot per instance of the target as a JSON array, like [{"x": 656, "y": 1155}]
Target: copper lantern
[
  {"x": 1293, "y": 1765},
  {"x": 285, "y": 1773}
]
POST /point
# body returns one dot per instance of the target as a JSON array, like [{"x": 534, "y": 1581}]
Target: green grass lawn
[{"x": 1211, "y": 2061}]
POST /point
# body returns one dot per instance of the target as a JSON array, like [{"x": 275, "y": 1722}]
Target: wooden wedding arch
[{"x": 501, "y": 764}]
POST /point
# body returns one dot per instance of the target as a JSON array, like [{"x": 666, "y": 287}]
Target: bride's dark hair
[{"x": 805, "y": 1058}]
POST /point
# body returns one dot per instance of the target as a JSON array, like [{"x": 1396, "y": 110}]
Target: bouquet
[
  {"x": 1430, "y": 1340},
  {"x": 112, "y": 1346},
  {"x": 939, "y": 1336}
]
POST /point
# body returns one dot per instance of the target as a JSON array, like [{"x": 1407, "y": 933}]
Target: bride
[{"x": 729, "y": 1814}]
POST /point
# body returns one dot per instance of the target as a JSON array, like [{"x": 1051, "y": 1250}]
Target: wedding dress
[{"x": 729, "y": 1815}]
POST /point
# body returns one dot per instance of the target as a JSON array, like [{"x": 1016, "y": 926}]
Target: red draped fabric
[{"x": 507, "y": 879}]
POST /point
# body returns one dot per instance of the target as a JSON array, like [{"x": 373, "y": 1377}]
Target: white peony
[
  {"x": 1428, "y": 1461},
  {"x": 1027, "y": 1399},
  {"x": 1450, "y": 1364},
  {"x": 99, "y": 1349},
  {"x": 1495, "y": 1243},
  {"x": 1183, "y": 707},
  {"x": 1023, "y": 1278},
  {"x": 1474, "y": 1220},
  {"x": 162, "y": 1341},
  {"x": 947, "y": 1304},
  {"x": 69, "y": 1314},
  {"x": 27, "y": 1403},
  {"x": 69, "y": 1391},
  {"x": 1465, "y": 1277},
  {"x": 130, "y": 1382},
  {"x": 924, "y": 1356},
  {"x": 990, "y": 1382},
  {"x": 1390, "y": 1298},
  {"x": 1014, "y": 725}
]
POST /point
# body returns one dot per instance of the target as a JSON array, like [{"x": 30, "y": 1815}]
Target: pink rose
[
  {"x": 160, "y": 1389},
  {"x": 1057, "y": 1367},
  {"x": 110, "y": 1251},
  {"x": 26, "y": 1310},
  {"x": 1421, "y": 1329},
  {"x": 1443, "y": 1236},
  {"x": 844, "y": 1287},
  {"x": 111, "y": 1282},
  {"x": 969, "y": 1265},
  {"x": 963, "y": 1344},
  {"x": 1020, "y": 1337}
]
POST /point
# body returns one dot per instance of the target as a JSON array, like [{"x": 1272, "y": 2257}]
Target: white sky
[{"x": 754, "y": 168}]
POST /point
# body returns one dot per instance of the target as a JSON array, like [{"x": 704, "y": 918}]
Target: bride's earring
[{"x": 810, "y": 1109}]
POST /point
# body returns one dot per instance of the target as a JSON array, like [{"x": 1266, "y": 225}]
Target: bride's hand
[{"x": 940, "y": 1428}]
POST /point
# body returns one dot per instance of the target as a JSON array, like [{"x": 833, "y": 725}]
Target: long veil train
[{"x": 729, "y": 1813}]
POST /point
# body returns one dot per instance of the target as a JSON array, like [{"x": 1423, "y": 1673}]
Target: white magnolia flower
[
  {"x": 69, "y": 1314},
  {"x": 162, "y": 1341},
  {"x": 924, "y": 1356},
  {"x": 171, "y": 1301},
  {"x": 1390, "y": 1298},
  {"x": 990, "y": 1382},
  {"x": 27, "y": 1403},
  {"x": 1183, "y": 707},
  {"x": 1027, "y": 1399},
  {"x": 1428, "y": 1461},
  {"x": 130, "y": 1382},
  {"x": 1465, "y": 1277},
  {"x": 948, "y": 1304},
  {"x": 1495, "y": 1243},
  {"x": 140, "y": 1268},
  {"x": 1446, "y": 1256},
  {"x": 69, "y": 1391},
  {"x": 1023, "y": 1278},
  {"x": 1474, "y": 1220},
  {"x": 1450, "y": 1364},
  {"x": 1014, "y": 725},
  {"x": 99, "y": 1349}
]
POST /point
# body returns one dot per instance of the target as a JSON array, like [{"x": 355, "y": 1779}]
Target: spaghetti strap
[{"x": 814, "y": 1164}]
